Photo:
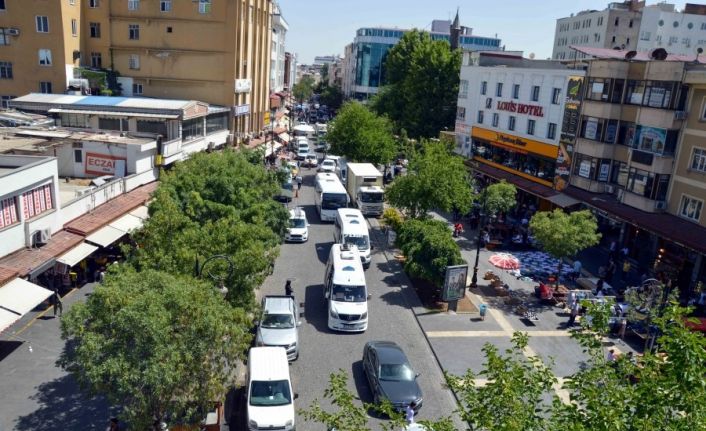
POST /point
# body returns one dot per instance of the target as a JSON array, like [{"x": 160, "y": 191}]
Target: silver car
[{"x": 279, "y": 324}]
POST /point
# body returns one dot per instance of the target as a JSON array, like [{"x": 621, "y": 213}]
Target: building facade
[
  {"x": 277, "y": 58},
  {"x": 290, "y": 70},
  {"x": 679, "y": 32}
]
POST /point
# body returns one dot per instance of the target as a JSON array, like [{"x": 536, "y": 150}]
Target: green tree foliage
[
  {"x": 499, "y": 197},
  {"x": 303, "y": 89},
  {"x": 436, "y": 179},
  {"x": 563, "y": 235},
  {"x": 160, "y": 346},
  {"x": 421, "y": 85},
  {"x": 428, "y": 248},
  {"x": 361, "y": 136},
  {"x": 214, "y": 204},
  {"x": 331, "y": 97}
]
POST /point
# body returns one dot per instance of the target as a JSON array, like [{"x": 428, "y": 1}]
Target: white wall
[{"x": 684, "y": 40}]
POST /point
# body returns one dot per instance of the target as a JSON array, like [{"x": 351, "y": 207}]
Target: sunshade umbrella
[{"x": 505, "y": 261}]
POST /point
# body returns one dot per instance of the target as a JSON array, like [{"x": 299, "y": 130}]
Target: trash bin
[{"x": 483, "y": 309}]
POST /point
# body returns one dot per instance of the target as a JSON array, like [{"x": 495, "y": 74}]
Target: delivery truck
[{"x": 364, "y": 186}]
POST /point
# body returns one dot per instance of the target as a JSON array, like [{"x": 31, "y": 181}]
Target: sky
[{"x": 325, "y": 27}]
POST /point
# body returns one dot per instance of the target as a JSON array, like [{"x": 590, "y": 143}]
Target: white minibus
[
  {"x": 345, "y": 290},
  {"x": 351, "y": 228},
  {"x": 329, "y": 196}
]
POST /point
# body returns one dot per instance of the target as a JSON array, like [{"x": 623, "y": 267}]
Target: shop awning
[
  {"x": 127, "y": 223},
  {"x": 105, "y": 236},
  {"x": 7, "y": 318},
  {"x": 20, "y": 296},
  {"x": 141, "y": 212},
  {"x": 285, "y": 137},
  {"x": 76, "y": 254},
  {"x": 270, "y": 148},
  {"x": 562, "y": 200}
]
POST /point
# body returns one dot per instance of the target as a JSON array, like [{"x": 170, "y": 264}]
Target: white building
[
  {"x": 277, "y": 57},
  {"x": 510, "y": 113},
  {"x": 348, "y": 69},
  {"x": 677, "y": 32}
]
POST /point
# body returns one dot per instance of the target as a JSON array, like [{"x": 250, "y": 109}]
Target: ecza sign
[{"x": 101, "y": 164}]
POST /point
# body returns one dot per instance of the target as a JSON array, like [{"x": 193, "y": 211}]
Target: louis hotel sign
[{"x": 521, "y": 108}]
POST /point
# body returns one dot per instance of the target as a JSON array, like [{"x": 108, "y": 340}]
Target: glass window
[
  {"x": 617, "y": 90},
  {"x": 205, "y": 6},
  {"x": 556, "y": 96},
  {"x": 93, "y": 3},
  {"x": 535, "y": 93},
  {"x": 698, "y": 160},
  {"x": 45, "y": 87},
  {"x": 134, "y": 61},
  {"x": 5, "y": 70},
  {"x": 619, "y": 174},
  {"x": 192, "y": 129},
  {"x": 2, "y": 4},
  {"x": 483, "y": 87},
  {"x": 659, "y": 94},
  {"x": 8, "y": 212},
  {"x": 499, "y": 89},
  {"x": 480, "y": 117},
  {"x": 585, "y": 166},
  {"x": 37, "y": 201},
  {"x": 158, "y": 127},
  {"x": 96, "y": 60},
  {"x": 45, "y": 57},
  {"x": 133, "y": 31},
  {"x": 463, "y": 89},
  {"x": 635, "y": 92},
  {"x": 137, "y": 89},
  {"x": 511, "y": 123},
  {"x": 496, "y": 119},
  {"x": 460, "y": 113},
  {"x": 74, "y": 120},
  {"x": 216, "y": 122},
  {"x": 42, "y": 24},
  {"x": 530, "y": 127},
  {"x": 165, "y": 5},
  {"x": 690, "y": 207},
  {"x": 133, "y": 4},
  {"x": 516, "y": 91},
  {"x": 551, "y": 131},
  {"x": 74, "y": 27},
  {"x": 598, "y": 89},
  {"x": 530, "y": 164},
  {"x": 95, "y": 29}
]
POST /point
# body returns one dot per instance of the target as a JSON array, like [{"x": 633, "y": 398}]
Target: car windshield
[
  {"x": 359, "y": 241},
  {"x": 396, "y": 372},
  {"x": 334, "y": 201},
  {"x": 277, "y": 321},
  {"x": 372, "y": 197},
  {"x": 270, "y": 393},
  {"x": 329, "y": 164},
  {"x": 297, "y": 223},
  {"x": 349, "y": 293}
]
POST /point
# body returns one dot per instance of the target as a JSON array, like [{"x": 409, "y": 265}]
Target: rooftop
[
  {"x": 105, "y": 101},
  {"x": 623, "y": 54},
  {"x": 39, "y": 140}
]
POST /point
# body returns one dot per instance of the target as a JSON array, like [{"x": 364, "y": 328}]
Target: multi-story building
[
  {"x": 509, "y": 118},
  {"x": 152, "y": 45},
  {"x": 348, "y": 69},
  {"x": 290, "y": 70},
  {"x": 371, "y": 45},
  {"x": 662, "y": 26},
  {"x": 335, "y": 74},
  {"x": 277, "y": 66}
]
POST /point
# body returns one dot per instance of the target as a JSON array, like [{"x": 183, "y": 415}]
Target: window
[
  {"x": 463, "y": 89},
  {"x": 483, "y": 87},
  {"x": 72, "y": 2},
  {"x": 499, "y": 89},
  {"x": 169, "y": 29},
  {"x": 655, "y": 94},
  {"x": 165, "y": 5},
  {"x": 600, "y": 21},
  {"x": 8, "y": 211},
  {"x": 511, "y": 123},
  {"x": 617, "y": 21},
  {"x": 78, "y": 155},
  {"x": 535, "y": 93},
  {"x": 2, "y": 4},
  {"x": 74, "y": 27},
  {"x": 516, "y": 91},
  {"x": 133, "y": 4},
  {"x": 630, "y": 23},
  {"x": 691, "y": 207},
  {"x": 530, "y": 127},
  {"x": 93, "y": 3},
  {"x": 192, "y": 129},
  {"x": 37, "y": 201},
  {"x": 5, "y": 101},
  {"x": 216, "y": 122},
  {"x": 479, "y": 120},
  {"x": 460, "y": 113},
  {"x": 45, "y": 87},
  {"x": 4, "y": 38},
  {"x": 205, "y": 6},
  {"x": 45, "y": 57},
  {"x": 134, "y": 61},
  {"x": 645, "y": 35},
  {"x": 96, "y": 60},
  {"x": 42, "y": 24},
  {"x": 134, "y": 31},
  {"x": 556, "y": 96},
  {"x": 698, "y": 160},
  {"x": 5, "y": 70},
  {"x": 137, "y": 89},
  {"x": 496, "y": 119},
  {"x": 74, "y": 120},
  {"x": 551, "y": 131},
  {"x": 95, "y": 28}
]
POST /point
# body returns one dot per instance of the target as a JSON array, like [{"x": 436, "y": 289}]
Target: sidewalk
[{"x": 38, "y": 395}]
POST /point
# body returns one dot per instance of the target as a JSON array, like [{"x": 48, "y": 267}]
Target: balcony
[
  {"x": 593, "y": 148},
  {"x": 641, "y": 202}
]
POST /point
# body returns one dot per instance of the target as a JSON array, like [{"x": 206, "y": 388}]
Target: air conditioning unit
[
  {"x": 41, "y": 236},
  {"x": 609, "y": 189},
  {"x": 660, "y": 205},
  {"x": 13, "y": 31},
  {"x": 680, "y": 115}
]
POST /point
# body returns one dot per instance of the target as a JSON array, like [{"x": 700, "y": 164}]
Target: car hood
[
  {"x": 401, "y": 392},
  {"x": 278, "y": 337},
  {"x": 275, "y": 416},
  {"x": 296, "y": 230},
  {"x": 349, "y": 307}
]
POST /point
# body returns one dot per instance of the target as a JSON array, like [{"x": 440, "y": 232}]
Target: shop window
[
  {"x": 698, "y": 160},
  {"x": 691, "y": 207},
  {"x": 8, "y": 212},
  {"x": 529, "y": 164},
  {"x": 37, "y": 201}
]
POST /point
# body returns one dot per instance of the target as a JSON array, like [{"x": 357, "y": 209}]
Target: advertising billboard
[
  {"x": 455, "y": 283},
  {"x": 569, "y": 130}
]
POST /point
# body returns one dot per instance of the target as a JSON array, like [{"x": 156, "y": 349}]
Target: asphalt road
[{"x": 322, "y": 351}]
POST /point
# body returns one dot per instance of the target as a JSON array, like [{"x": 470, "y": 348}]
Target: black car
[
  {"x": 390, "y": 375},
  {"x": 285, "y": 193}
]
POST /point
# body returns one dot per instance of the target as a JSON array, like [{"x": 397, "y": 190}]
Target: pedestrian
[
  {"x": 458, "y": 230},
  {"x": 573, "y": 313},
  {"x": 299, "y": 182},
  {"x": 101, "y": 275},
  {"x": 610, "y": 271},
  {"x": 622, "y": 327},
  {"x": 577, "y": 268},
  {"x": 611, "y": 356},
  {"x": 624, "y": 252},
  {"x": 58, "y": 305},
  {"x": 409, "y": 412},
  {"x": 612, "y": 249},
  {"x": 599, "y": 287},
  {"x": 288, "y": 290},
  {"x": 113, "y": 425},
  {"x": 626, "y": 270}
]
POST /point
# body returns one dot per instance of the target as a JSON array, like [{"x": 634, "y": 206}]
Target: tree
[
  {"x": 428, "y": 248},
  {"x": 361, "y": 136},
  {"x": 421, "y": 85},
  {"x": 332, "y": 97},
  {"x": 563, "y": 235},
  {"x": 303, "y": 89},
  {"x": 436, "y": 179},
  {"x": 499, "y": 197},
  {"x": 162, "y": 347}
]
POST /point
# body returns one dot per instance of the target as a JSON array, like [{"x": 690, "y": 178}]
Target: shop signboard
[
  {"x": 454, "y": 283},
  {"x": 604, "y": 171},
  {"x": 569, "y": 130},
  {"x": 243, "y": 85},
  {"x": 650, "y": 139},
  {"x": 240, "y": 110},
  {"x": 104, "y": 164},
  {"x": 585, "y": 169}
]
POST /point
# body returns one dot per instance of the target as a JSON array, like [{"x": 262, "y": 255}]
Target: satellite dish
[
  {"x": 699, "y": 50},
  {"x": 630, "y": 55},
  {"x": 659, "y": 54},
  {"x": 531, "y": 56}
]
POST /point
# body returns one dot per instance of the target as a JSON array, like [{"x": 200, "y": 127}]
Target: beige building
[{"x": 217, "y": 51}]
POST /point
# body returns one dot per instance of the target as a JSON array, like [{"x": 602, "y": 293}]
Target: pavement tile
[{"x": 457, "y": 357}]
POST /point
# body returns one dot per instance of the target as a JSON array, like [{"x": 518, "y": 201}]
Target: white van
[
  {"x": 351, "y": 228},
  {"x": 345, "y": 290},
  {"x": 270, "y": 397}
]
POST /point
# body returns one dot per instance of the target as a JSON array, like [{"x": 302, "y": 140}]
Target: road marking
[{"x": 457, "y": 334}]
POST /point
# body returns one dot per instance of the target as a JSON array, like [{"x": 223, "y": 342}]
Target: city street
[{"x": 390, "y": 318}]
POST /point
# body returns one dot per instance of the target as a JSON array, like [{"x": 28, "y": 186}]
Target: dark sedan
[{"x": 390, "y": 375}]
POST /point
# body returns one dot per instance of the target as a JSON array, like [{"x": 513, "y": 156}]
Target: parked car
[
  {"x": 311, "y": 160},
  {"x": 390, "y": 375},
  {"x": 327, "y": 165},
  {"x": 298, "y": 230},
  {"x": 286, "y": 193},
  {"x": 279, "y": 324}
]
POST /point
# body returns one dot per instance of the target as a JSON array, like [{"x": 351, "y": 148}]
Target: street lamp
[
  {"x": 215, "y": 277},
  {"x": 481, "y": 217}
]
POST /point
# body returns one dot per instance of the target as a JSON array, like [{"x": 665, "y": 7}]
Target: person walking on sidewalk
[
  {"x": 574, "y": 312},
  {"x": 626, "y": 271},
  {"x": 58, "y": 305}
]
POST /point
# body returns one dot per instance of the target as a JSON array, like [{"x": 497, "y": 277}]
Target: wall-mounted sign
[
  {"x": 516, "y": 143},
  {"x": 103, "y": 164},
  {"x": 243, "y": 85},
  {"x": 240, "y": 110},
  {"x": 521, "y": 108},
  {"x": 454, "y": 283}
]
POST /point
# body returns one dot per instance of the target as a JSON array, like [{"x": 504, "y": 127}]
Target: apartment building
[
  {"x": 290, "y": 70},
  {"x": 277, "y": 57},
  {"x": 215, "y": 51}
]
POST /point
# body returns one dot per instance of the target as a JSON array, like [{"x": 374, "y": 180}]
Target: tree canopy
[
  {"x": 303, "y": 89},
  {"x": 331, "y": 96},
  {"x": 361, "y": 136},
  {"x": 499, "y": 197},
  {"x": 162, "y": 347},
  {"x": 421, "y": 85},
  {"x": 436, "y": 179}
]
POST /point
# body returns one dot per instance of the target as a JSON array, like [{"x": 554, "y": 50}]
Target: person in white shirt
[{"x": 409, "y": 412}]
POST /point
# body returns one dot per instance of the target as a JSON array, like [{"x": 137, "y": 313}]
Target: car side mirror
[
  {"x": 372, "y": 247},
  {"x": 417, "y": 375},
  {"x": 296, "y": 395},
  {"x": 370, "y": 296}
]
